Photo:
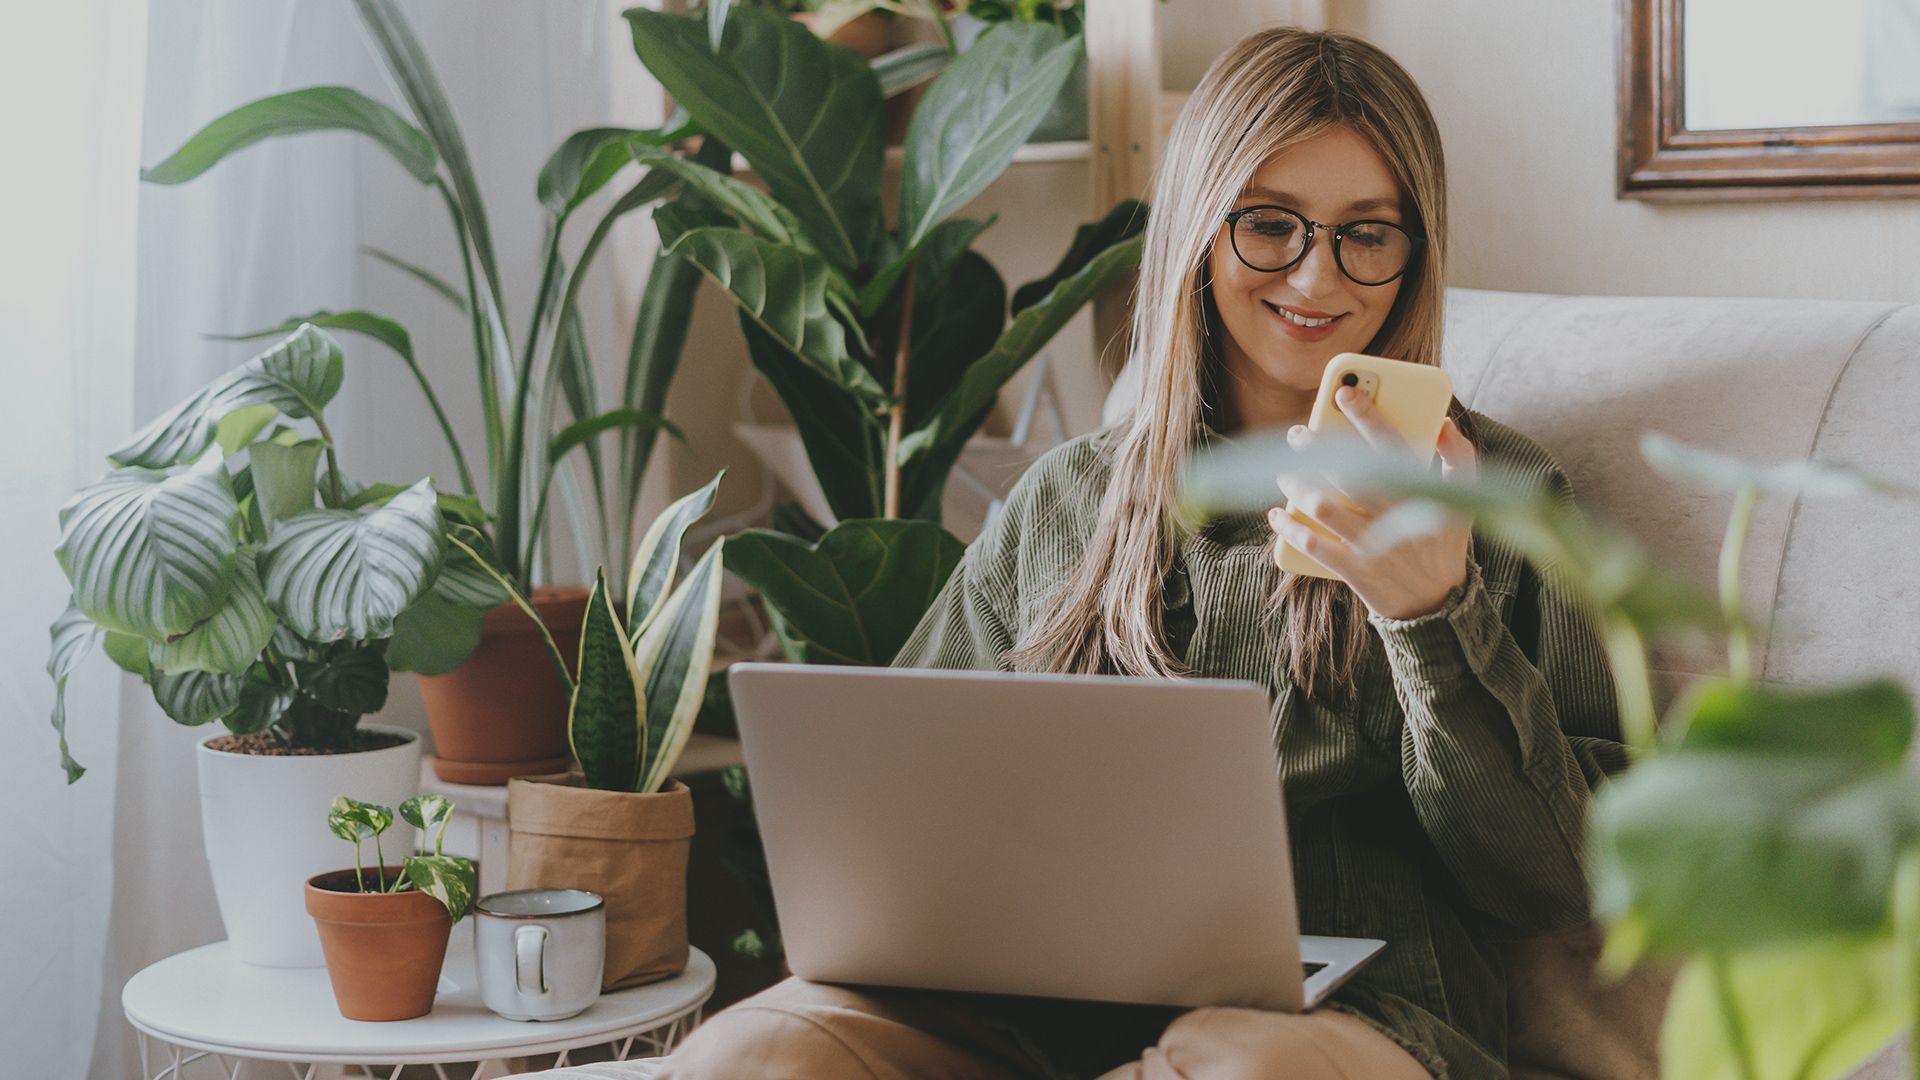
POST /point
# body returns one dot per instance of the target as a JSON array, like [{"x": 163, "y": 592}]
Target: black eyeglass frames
[{"x": 1273, "y": 238}]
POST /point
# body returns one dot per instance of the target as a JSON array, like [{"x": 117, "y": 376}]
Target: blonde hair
[{"x": 1275, "y": 88}]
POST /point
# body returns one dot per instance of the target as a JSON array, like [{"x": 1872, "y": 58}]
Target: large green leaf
[
  {"x": 956, "y": 321},
  {"x": 1816, "y": 1011},
  {"x": 297, "y": 377},
  {"x": 194, "y": 698},
  {"x": 149, "y": 553},
  {"x": 752, "y": 207},
  {"x": 317, "y": 108},
  {"x": 1723, "y": 850},
  {"x": 283, "y": 477},
  {"x": 784, "y": 290},
  {"x": 933, "y": 260},
  {"x": 350, "y": 680},
  {"x": 606, "y": 716},
  {"x": 434, "y": 636},
  {"x": 844, "y": 442},
  {"x": 674, "y": 656},
  {"x": 584, "y": 163},
  {"x": 74, "y": 636},
  {"x": 1871, "y": 722},
  {"x": 856, "y": 596},
  {"x": 1127, "y": 219},
  {"x": 656, "y": 561},
  {"x": 975, "y": 116},
  {"x": 806, "y": 115},
  {"x": 956, "y": 418},
  {"x": 1678, "y": 461},
  {"x": 231, "y": 638},
  {"x": 338, "y": 574}
]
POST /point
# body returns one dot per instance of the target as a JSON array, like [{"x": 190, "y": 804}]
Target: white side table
[{"x": 204, "y": 1004}]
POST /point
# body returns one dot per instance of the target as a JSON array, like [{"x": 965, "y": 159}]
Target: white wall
[{"x": 1524, "y": 94}]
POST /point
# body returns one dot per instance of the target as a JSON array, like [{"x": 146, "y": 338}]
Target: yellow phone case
[{"x": 1413, "y": 398}]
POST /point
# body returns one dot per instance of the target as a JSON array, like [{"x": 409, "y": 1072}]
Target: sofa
[{"x": 1838, "y": 580}]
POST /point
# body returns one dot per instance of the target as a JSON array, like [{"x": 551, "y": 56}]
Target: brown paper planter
[
  {"x": 383, "y": 950},
  {"x": 503, "y": 713},
  {"x": 629, "y": 848}
]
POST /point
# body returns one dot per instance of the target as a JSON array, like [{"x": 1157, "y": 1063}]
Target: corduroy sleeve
[{"x": 1508, "y": 725}]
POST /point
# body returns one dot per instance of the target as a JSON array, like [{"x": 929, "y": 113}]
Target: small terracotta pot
[
  {"x": 503, "y": 713},
  {"x": 866, "y": 35},
  {"x": 384, "y": 950}
]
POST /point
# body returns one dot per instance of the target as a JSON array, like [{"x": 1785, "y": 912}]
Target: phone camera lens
[{"x": 1349, "y": 379}]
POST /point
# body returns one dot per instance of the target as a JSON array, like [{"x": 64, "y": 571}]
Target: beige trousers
[{"x": 799, "y": 1030}]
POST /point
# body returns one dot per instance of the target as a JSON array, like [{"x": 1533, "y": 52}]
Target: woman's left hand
[{"x": 1410, "y": 578}]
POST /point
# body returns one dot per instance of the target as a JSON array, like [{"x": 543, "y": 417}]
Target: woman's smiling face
[{"x": 1273, "y": 362}]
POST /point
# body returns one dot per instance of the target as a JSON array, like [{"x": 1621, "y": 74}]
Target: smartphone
[{"x": 1414, "y": 399}]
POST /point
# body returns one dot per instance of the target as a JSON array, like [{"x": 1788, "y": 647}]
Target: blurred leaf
[
  {"x": 1678, "y": 461},
  {"x": 316, "y": 108},
  {"x": 904, "y": 68},
  {"x": 856, "y": 596},
  {"x": 1871, "y": 722},
  {"x": 1816, "y": 1011}
]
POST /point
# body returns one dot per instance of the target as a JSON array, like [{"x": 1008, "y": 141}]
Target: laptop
[{"x": 1092, "y": 837}]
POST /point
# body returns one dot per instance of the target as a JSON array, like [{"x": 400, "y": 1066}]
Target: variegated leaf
[
  {"x": 297, "y": 377},
  {"x": 657, "y": 559},
  {"x": 606, "y": 716},
  {"x": 337, "y": 574},
  {"x": 228, "y": 640},
  {"x": 674, "y": 656},
  {"x": 447, "y": 878},
  {"x": 151, "y": 553},
  {"x": 426, "y": 811},
  {"x": 347, "y": 823}
]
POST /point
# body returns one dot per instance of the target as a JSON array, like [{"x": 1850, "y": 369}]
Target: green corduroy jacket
[{"x": 1444, "y": 812}]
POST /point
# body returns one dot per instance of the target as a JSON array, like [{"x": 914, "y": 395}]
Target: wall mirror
[{"x": 1769, "y": 99}]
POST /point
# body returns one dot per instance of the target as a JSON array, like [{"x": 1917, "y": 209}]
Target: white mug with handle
[{"x": 540, "y": 953}]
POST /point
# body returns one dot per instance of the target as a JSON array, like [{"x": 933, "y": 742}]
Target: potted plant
[
  {"x": 495, "y": 707},
  {"x": 227, "y": 562},
  {"x": 621, "y": 827},
  {"x": 1067, "y": 119},
  {"x": 1767, "y": 837},
  {"x": 385, "y": 928}
]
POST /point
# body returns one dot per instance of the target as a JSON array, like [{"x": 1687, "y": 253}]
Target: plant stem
[
  {"x": 1739, "y": 654},
  {"x": 897, "y": 420},
  {"x": 359, "y": 878},
  {"x": 1633, "y": 683},
  {"x": 333, "y": 463},
  {"x": 1736, "y": 1025},
  {"x": 482, "y": 342},
  {"x": 1906, "y": 933},
  {"x": 381, "y": 860}
]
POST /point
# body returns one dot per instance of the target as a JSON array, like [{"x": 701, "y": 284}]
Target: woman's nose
[{"x": 1319, "y": 273}]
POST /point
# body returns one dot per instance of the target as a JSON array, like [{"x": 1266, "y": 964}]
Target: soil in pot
[
  {"x": 270, "y": 745},
  {"x": 503, "y": 713},
  {"x": 384, "y": 950}
]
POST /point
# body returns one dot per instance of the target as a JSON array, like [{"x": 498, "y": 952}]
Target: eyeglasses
[{"x": 1273, "y": 238}]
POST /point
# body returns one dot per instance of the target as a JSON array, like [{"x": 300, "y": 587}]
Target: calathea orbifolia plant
[
  {"x": 1767, "y": 836},
  {"x": 449, "y": 879},
  {"x": 642, "y": 677},
  {"x": 888, "y": 343},
  {"x": 522, "y": 383},
  {"x": 227, "y": 561}
]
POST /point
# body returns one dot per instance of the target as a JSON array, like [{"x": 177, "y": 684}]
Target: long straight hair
[{"x": 1274, "y": 89}]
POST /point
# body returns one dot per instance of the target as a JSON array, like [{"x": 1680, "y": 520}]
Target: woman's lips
[{"x": 1302, "y": 333}]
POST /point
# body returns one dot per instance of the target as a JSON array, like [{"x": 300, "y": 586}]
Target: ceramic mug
[{"x": 539, "y": 952}]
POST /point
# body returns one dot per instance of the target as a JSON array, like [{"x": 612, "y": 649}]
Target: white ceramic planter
[{"x": 264, "y": 820}]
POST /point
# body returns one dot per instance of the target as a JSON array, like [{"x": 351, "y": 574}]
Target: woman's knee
[{"x": 1251, "y": 1044}]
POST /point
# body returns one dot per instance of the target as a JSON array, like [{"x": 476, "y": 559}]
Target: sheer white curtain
[
  {"x": 276, "y": 231},
  {"x": 70, "y": 77}
]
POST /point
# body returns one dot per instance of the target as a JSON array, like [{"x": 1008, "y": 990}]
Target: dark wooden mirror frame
[{"x": 1661, "y": 161}]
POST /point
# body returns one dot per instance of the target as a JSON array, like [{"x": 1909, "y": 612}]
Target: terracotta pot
[
  {"x": 866, "y": 35},
  {"x": 503, "y": 713},
  {"x": 384, "y": 950},
  {"x": 630, "y": 848}
]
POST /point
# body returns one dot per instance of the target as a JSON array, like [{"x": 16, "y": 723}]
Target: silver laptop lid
[{"x": 1099, "y": 838}]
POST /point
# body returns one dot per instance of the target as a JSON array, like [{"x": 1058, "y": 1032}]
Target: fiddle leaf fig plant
[
  {"x": 227, "y": 562},
  {"x": 450, "y": 879},
  {"x": 1767, "y": 836}
]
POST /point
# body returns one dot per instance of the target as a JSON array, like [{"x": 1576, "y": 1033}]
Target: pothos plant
[
  {"x": 1767, "y": 836},
  {"x": 227, "y": 561},
  {"x": 888, "y": 342},
  {"x": 523, "y": 382},
  {"x": 449, "y": 879},
  {"x": 641, "y": 677}
]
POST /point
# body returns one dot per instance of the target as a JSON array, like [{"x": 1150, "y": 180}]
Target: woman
[{"x": 1440, "y": 710}]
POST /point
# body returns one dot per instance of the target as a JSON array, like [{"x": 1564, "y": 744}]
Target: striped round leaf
[
  {"x": 197, "y": 697},
  {"x": 74, "y": 636},
  {"x": 151, "y": 553},
  {"x": 338, "y": 574},
  {"x": 605, "y": 718},
  {"x": 228, "y": 640},
  {"x": 297, "y": 377}
]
